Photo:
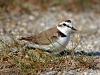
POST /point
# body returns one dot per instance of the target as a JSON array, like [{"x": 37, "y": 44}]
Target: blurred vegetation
[
  {"x": 69, "y": 5},
  {"x": 32, "y": 62}
]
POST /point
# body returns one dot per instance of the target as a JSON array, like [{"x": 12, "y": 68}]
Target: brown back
[{"x": 43, "y": 38}]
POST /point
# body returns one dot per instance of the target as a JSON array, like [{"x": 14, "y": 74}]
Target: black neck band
[{"x": 61, "y": 34}]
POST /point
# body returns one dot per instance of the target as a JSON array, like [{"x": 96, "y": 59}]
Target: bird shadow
[
  {"x": 76, "y": 53},
  {"x": 79, "y": 53}
]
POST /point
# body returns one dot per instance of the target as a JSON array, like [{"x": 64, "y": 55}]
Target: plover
[{"x": 52, "y": 40}]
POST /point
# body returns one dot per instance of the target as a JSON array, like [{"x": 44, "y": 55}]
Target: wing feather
[{"x": 43, "y": 38}]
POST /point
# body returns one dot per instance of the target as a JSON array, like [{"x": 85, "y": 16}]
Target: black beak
[{"x": 73, "y": 28}]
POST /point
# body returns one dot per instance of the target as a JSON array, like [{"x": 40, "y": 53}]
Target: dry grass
[{"x": 30, "y": 62}]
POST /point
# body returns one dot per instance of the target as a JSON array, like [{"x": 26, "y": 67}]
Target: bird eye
[{"x": 64, "y": 24}]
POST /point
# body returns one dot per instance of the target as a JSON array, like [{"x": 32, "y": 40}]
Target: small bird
[{"x": 52, "y": 40}]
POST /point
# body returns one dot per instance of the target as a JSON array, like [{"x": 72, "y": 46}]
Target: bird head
[{"x": 66, "y": 27}]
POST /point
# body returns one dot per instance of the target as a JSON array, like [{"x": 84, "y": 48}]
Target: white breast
[{"x": 60, "y": 44}]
